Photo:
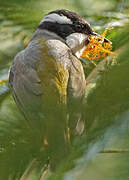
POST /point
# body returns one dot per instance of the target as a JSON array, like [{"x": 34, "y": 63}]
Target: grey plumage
[
  {"x": 24, "y": 80},
  {"x": 46, "y": 80}
]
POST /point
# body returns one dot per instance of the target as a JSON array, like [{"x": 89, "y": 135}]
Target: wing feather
[
  {"x": 44, "y": 76},
  {"x": 36, "y": 78}
]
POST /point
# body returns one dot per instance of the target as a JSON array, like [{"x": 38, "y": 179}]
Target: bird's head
[
  {"x": 64, "y": 23},
  {"x": 70, "y": 27}
]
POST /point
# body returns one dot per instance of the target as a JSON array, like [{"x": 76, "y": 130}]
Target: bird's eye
[{"x": 78, "y": 27}]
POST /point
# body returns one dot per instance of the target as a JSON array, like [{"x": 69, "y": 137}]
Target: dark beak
[{"x": 105, "y": 40}]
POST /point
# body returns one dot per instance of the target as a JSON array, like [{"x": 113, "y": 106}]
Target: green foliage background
[{"x": 107, "y": 94}]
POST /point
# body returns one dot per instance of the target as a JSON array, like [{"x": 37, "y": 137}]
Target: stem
[{"x": 115, "y": 151}]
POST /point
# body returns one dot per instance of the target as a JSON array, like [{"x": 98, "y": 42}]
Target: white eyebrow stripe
[{"x": 56, "y": 18}]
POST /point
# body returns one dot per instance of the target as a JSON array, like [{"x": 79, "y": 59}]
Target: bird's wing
[
  {"x": 37, "y": 79},
  {"x": 76, "y": 97},
  {"x": 75, "y": 84},
  {"x": 42, "y": 77}
]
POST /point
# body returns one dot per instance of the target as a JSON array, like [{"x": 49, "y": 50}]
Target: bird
[{"x": 47, "y": 79}]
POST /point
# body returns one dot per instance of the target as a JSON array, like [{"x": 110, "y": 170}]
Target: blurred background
[{"x": 102, "y": 153}]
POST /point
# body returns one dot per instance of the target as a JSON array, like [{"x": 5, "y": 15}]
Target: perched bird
[{"x": 47, "y": 78}]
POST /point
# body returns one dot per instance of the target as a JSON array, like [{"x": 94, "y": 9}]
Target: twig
[
  {"x": 115, "y": 151},
  {"x": 29, "y": 170},
  {"x": 44, "y": 171}
]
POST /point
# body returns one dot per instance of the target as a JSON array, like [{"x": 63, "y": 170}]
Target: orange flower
[{"x": 97, "y": 47}]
